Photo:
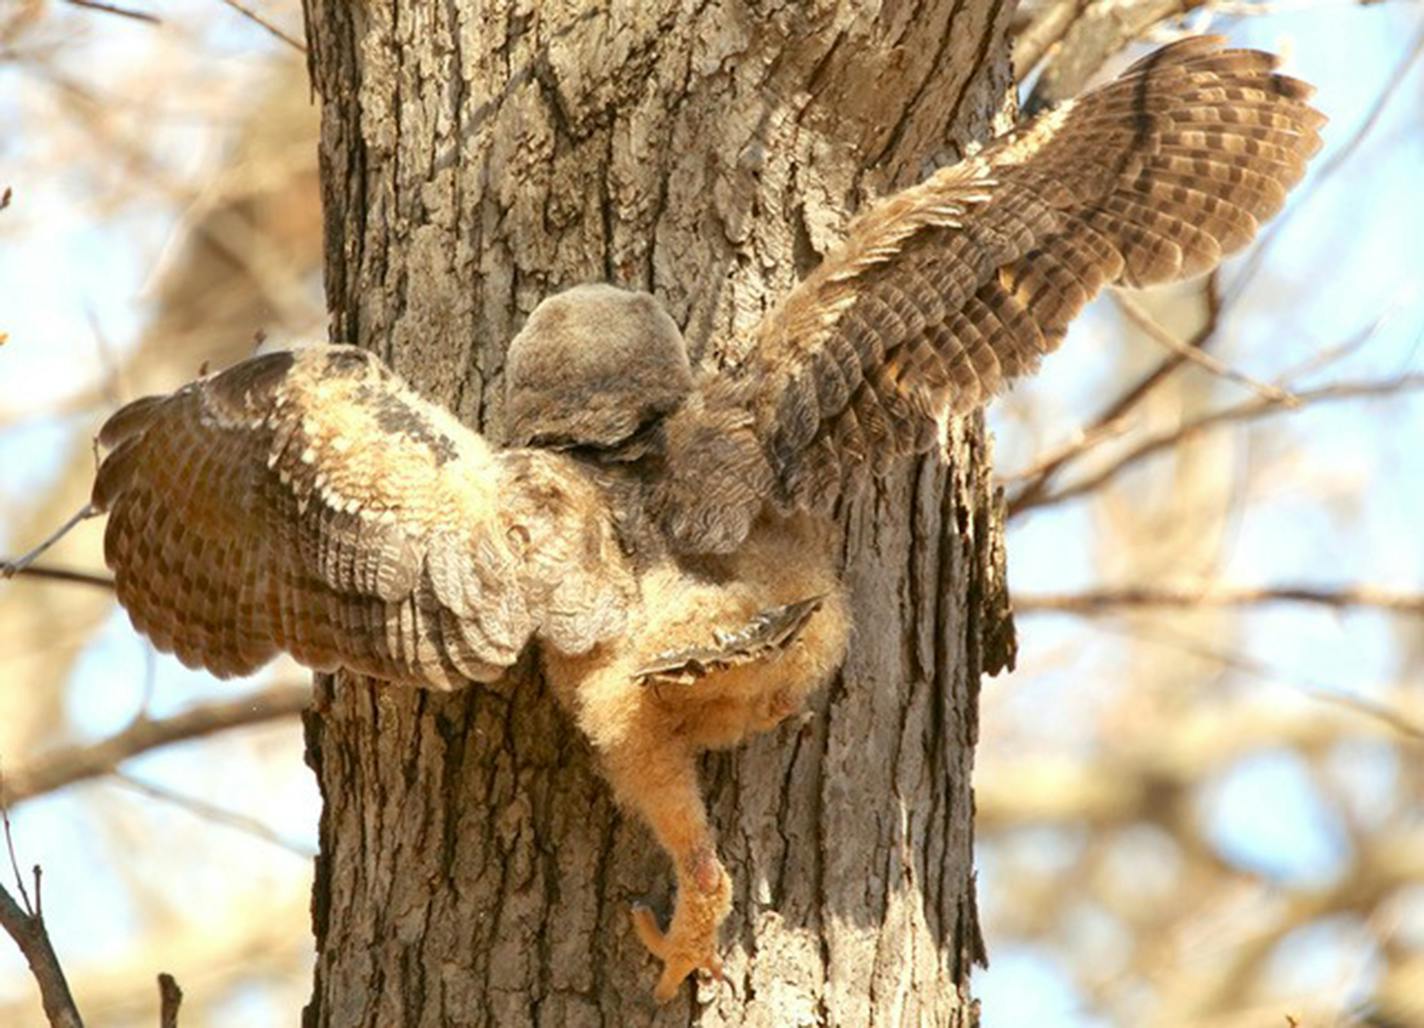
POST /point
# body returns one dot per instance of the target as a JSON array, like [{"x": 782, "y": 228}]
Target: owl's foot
[
  {"x": 704, "y": 896},
  {"x": 765, "y": 633}
]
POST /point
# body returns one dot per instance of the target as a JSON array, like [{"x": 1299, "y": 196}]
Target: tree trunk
[{"x": 477, "y": 157}]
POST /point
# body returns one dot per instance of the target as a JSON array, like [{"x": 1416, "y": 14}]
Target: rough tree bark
[{"x": 477, "y": 156}]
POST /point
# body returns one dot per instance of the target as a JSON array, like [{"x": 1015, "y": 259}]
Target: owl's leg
[
  {"x": 658, "y": 777},
  {"x": 759, "y": 637}
]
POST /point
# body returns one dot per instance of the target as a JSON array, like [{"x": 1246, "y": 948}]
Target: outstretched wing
[
  {"x": 309, "y": 502},
  {"x": 943, "y": 292}
]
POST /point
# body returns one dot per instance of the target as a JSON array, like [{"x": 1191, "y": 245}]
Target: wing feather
[
  {"x": 946, "y": 291},
  {"x": 310, "y": 503}
]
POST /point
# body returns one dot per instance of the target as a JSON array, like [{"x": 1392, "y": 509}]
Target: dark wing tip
[
  {"x": 254, "y": 378},
  {"x": 1294, "y": 88},
  {"x": 129, "y": 420},
  {"x": 115, "y": 473},
  {"x": 1181, "y": 51}
]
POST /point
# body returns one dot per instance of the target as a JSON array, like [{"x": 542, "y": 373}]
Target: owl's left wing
[
  {"x": 943, "y": 292},
  {"x": 311, "y": 503}
]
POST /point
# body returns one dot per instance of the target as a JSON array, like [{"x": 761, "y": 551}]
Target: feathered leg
[{"x": 709, "y": 662}]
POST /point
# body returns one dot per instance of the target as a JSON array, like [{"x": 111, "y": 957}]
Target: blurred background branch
[
  {"x": 1114, "y": 600},
  {"x": 69, "y": 764}
]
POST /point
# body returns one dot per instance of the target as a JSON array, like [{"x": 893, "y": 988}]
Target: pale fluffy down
[{"x": 648, "y": 735}]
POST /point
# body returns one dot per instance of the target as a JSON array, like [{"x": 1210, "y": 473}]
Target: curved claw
[{"x": 678, "y": 961}]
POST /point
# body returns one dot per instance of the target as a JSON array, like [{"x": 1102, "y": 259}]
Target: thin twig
[
  {"x": 78, "y": 763},
  {"x": 10, "y": 568},
  {"x": 1251, "y": 411},
  {"x": 1195, "y": 355},
  {"x": 58, "y": 575},
  {"x": 1116, "y": 424},
  {"x": 1032, "y": 493},
  {"x": 1337, "y": 352},
  {"x": 1383, "y": 713},
  {"x": 1093, "y": 602},
  {"x": 248, "y": 12},
  {"x": 212, "y": 812},
  {"x": 122, "y": 12},
  {"x": 10, "y": 846},
  {"x": 1083, "y": 441}
]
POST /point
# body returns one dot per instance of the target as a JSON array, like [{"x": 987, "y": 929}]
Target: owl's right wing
[
  {"x": 945, "y": 291},
  {"x": 309, "y": 502}
]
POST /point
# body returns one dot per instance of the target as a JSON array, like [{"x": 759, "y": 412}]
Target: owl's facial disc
[{"x": 594, "y": 367}]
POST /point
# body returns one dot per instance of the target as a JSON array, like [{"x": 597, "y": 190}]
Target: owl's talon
[
  {"x": 645, "y": 924},
  {"x": 678, "y": 957},
  {"x": 690, "y": 942}
]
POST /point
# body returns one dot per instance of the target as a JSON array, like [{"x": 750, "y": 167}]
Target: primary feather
[
  {"x": 310, "y": 503},
  {"x": 943, "y": 292}
]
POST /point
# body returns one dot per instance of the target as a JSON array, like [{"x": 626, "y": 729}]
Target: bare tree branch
[
  {"x": 170, "y": 998},
  {"x": 77, "y": 763},
  {"x": 1110, "y": 420},
  {"x": 25, "y": 924},
  {"x": 1054, "y": 458},
  {"x": 1251, "y": 411},
  {"x": 1390, "y": 714},
  {"x": 10, "y": 845},
  {"x": 252, "y": 15},
  {"x": 1116, "y": 600},
  {"x": 10, "y": 568},
  {"x": 212, "y": 812},
  {"x": 28, "y": 931},
  {"x": 122, "y": 12},
  {"x": 1139, "y": 316},
  {"x": 1041, "y": 31},
  {"x": 58, "y": 575}
]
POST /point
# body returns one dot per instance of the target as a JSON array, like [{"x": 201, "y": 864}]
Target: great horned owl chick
[
  {"x": 593, "y": 366},
  {"x": 651, "y": 522}
]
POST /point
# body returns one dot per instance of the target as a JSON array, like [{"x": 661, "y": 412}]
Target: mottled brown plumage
[
  {"x": 944, "y": 292},
  {"x": 659, "y": 524},
  {"x": 309, "y": 502}
]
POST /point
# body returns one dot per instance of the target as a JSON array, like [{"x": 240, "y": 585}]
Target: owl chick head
[{"x": 593, "y": 366}]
